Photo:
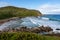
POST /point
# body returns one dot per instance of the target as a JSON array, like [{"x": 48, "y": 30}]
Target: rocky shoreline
[
  {"x": 40, "y": 29},
  {"x": 7, "y": 20},
  {"x": 46, "y": 30}
]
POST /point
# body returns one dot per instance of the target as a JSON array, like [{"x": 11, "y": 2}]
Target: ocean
[
  {"x": 50, "y": 20},
  {"x": 52, "y": 16},
  {"x": 55, "y": 18}
]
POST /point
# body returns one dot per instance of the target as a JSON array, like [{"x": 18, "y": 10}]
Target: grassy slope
[
  {"x": 10, "y": 11},
  {"x": 25, "y": 36}
]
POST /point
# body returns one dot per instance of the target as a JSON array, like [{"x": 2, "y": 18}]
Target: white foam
[
  {"x": 44, "y": 18},
  {"x": 32, "y": 22}
]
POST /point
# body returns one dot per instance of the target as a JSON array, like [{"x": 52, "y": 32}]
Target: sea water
[
  {"x": 52, "y": 21},
  {"x": 55, "y": 20}
]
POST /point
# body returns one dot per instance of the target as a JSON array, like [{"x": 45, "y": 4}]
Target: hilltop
[{"x": 11, "y": 11}]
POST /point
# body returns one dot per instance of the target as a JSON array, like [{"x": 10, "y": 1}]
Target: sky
[{"x": 44, "y": 6}]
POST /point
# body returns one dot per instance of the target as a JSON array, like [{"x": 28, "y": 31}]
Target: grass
[
  {"x": 10, "y": 11},
  {"x": 25, "y": 36}
]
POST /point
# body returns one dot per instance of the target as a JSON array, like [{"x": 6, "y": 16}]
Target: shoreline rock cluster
[{"x": 26, "y": 29}]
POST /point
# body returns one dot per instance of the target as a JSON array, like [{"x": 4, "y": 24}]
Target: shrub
[
  {"x": 20, "y": 36},
  {"x": 25, "y": 36}
]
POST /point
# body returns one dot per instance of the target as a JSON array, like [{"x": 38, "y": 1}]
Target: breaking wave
[{"x": 31, "y": 22}]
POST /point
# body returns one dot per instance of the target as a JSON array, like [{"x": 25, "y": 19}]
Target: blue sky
[{"x": 45, "y": 6}]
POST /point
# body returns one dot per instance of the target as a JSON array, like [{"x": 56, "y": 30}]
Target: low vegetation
[
  {"x": 25, "y": 36},
  {"x": 10, "y": 11}
]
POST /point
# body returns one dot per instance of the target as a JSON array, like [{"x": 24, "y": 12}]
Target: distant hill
[{"x": 11, "y": 11}]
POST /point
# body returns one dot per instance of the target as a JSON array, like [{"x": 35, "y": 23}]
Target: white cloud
[
  {"x": 49, "y": 8},
  {"x": 2, "y": 4}
]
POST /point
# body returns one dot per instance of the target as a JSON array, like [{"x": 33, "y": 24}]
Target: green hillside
[
  {"x": 25, "y": 36},
  {"x": 11, "y": 11}
]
